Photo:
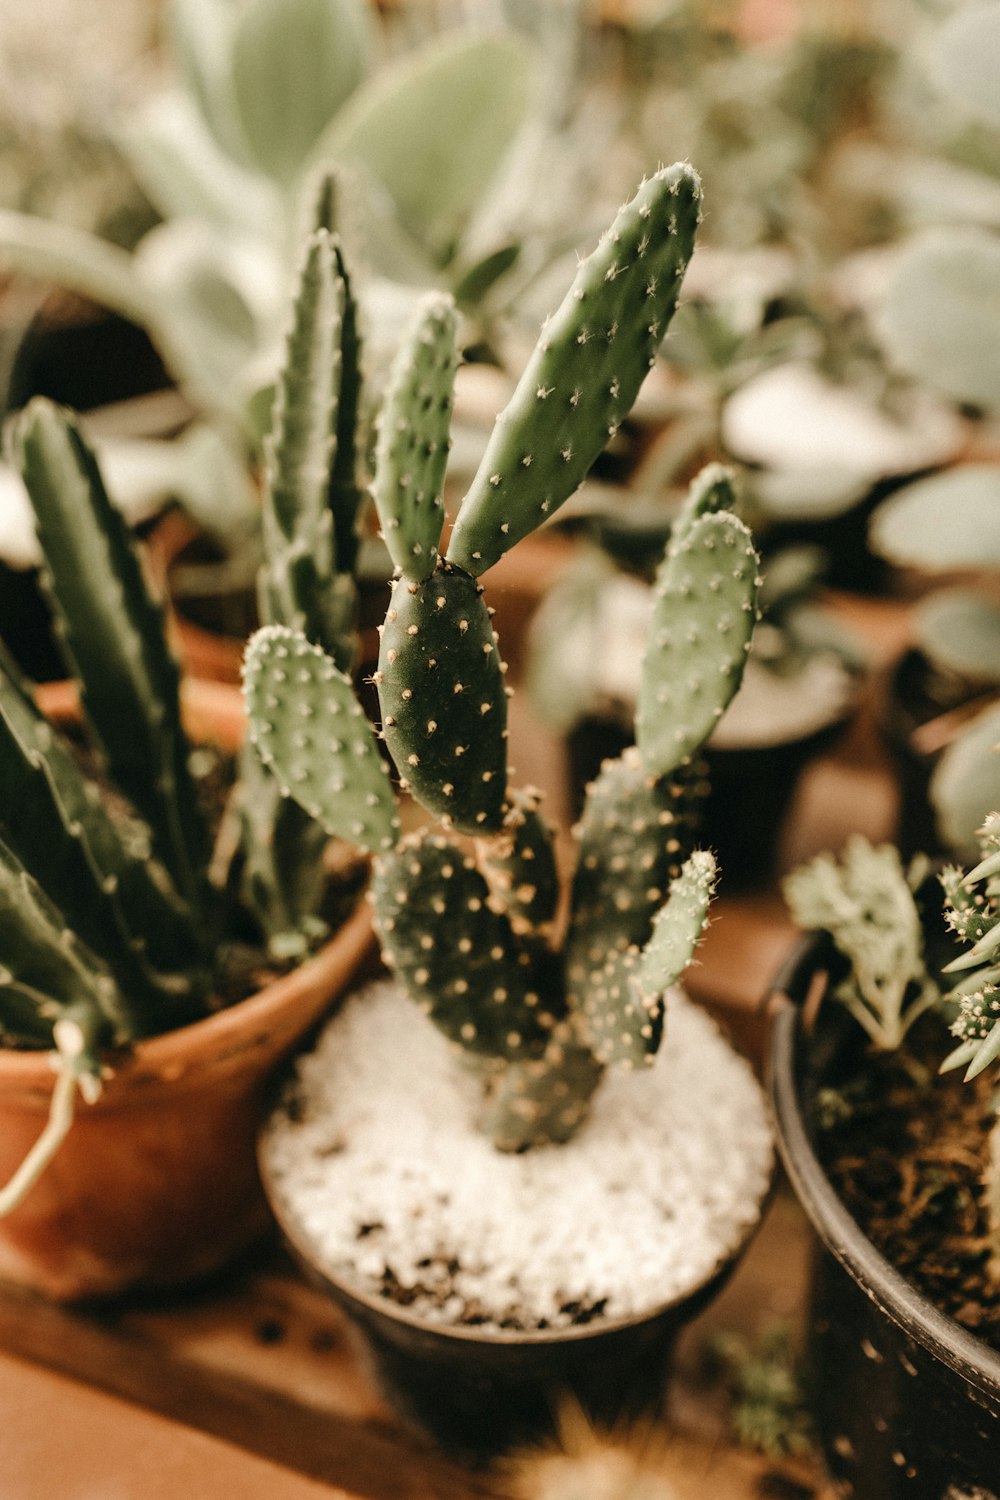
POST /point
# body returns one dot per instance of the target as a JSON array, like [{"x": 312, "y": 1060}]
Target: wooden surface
[{"x": 262, "y": 1363}]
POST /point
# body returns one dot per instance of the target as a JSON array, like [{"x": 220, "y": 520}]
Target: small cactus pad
[
  {"x": 634, "y": 835},
  {"x": 460, "y": 960},
  {"x": 412, "y": 450},
  {"x": 520, "y": 865},
  {"x": 444, "y": 705},
  {"x": 585, "y": 372},
  {"x": 703, "y": 617},
  {"x": 624, "y": 1021},
  {"x": 541, "y": 1102},
  {"x": 679, "y": 924},
  {"x": 712, "y": 489},
  {"x": 311, "y": 732}
]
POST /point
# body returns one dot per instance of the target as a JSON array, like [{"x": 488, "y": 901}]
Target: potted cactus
[
  {"x": 896, "y": 1166},
  {"x": 155, "y": 967},
  {"x": 407, "y": 1161}
]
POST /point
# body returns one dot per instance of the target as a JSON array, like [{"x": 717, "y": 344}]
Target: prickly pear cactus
[
  {"x": 471, "y": 928},
  {"x": 443, "y": 700},
  {"x": 585, "y": 373}
]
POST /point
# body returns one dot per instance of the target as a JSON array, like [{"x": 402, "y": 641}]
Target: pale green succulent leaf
[
  {"x": 946, "y": 522},
  {"x": 966, "y": 58},
  {"x": 965, "y": 786}
]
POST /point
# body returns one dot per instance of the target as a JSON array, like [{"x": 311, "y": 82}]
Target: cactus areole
[{"x": 469, "y": 929}]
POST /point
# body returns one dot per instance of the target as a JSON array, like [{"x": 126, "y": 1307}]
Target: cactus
[
  {"x": 471, "y": 931},
  {"x": 973, "y": 914}
]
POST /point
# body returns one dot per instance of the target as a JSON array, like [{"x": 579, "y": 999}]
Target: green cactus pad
[
  {"x": 310, "y": 731},
  {"x": 585, "y": 372},
  {"x": 444, "y": 705},
  {"x": 624, "y": 1021},
  {"x": 541, "y": 1102},
  {"x": 635, "y": 833},
  {"x": 679, "y": 924},
  {"x": 520, "y": 865},
  {"x": 460, "y": 960},
  {"x": 413, "y": 442},
  {"x": 703, "y": 617},
  {"x": 712, "y": 489}
]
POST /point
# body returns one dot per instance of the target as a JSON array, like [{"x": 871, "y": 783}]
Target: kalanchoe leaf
[
  {"x": 585, "y": 373},
  {"x": 412, "y": 450},
  {"x": 114, "y": 635},
  {"x": 56, "y": 824},
  {"x": 443, "y": 701},
  {"x": 311, "y": 732},
  {"x": 460, "y": 960},
  {"x": 703, "y": 617},
  {"x": 520, "y": 865}
]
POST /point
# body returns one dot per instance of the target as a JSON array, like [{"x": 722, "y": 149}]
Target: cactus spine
[{"x": 470, "y": 933}]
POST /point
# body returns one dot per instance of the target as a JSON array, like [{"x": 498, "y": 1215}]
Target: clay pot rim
[
  {"x": 954, "y": 1346},
  {"x": 216, "y": 1034},
  {"x": 354, "y": 1296}
]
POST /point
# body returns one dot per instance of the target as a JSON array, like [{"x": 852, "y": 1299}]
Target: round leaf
[{"x": 948, "y": 521}]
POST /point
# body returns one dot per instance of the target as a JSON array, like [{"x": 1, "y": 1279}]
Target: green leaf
[
  {"x": 295, "y": 63},
  {"x": 965, "y": 785},
  {"x": 948, "y": 521},
  {"x": 940, "y": 319},
  {"x": 433, "y": 129},
  {"x": 960, "y": 631},
  {"x": 201, "y": 38},
  {"x": 966, "y": 59}
]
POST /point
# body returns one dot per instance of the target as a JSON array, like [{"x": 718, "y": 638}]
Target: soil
[{"x": 906, "y": 1150}]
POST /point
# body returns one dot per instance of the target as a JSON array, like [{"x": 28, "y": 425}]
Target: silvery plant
[
  {"x": 467, "y": 904},
  {"x": 263, "y": 95}
]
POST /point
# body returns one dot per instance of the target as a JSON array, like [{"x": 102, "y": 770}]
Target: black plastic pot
[
  {"x": 907, "y": 1402},
  {"x": 480, "y": 1393}
]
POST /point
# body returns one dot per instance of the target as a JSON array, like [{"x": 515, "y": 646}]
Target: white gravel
[{"x": 379, "y": 1161}]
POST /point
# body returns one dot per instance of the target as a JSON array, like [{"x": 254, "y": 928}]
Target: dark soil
[{"x": 906, "y": 1149}]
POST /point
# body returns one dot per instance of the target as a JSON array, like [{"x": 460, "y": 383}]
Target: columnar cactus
[{"x": 469, "y": 929}]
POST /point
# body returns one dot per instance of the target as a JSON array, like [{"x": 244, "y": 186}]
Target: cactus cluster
[
  {"x": 116, "y": 916},
  {"x": 468, "y": 910}
]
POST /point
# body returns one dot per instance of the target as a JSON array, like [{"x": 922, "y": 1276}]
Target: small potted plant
[
  {"x": 160, "y": 955},
  {"x": 461, "y": 1187},
  {"x": 896, "y": 1166}
]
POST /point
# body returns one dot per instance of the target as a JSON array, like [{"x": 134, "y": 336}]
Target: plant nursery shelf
[{"x": 251, "y": 1387}]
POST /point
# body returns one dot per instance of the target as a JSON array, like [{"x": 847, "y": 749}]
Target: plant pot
[
  {"x": 479, "y": 1390},
  {"x": 907, "y": 1402},
  {"x": 156, "y": 1182}
]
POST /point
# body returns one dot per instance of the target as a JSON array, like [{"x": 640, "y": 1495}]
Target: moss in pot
[
  {"x": 125, "y": 918},
  {"x": 896, "y": 1167},
  {"x": 460, "y": 1187}
]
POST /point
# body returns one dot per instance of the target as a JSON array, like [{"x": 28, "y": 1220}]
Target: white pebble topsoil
[{"x": 376, "y": 1158}]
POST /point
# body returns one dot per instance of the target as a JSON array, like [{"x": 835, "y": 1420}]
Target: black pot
[
  {"x": 907, "y": 1402},
  {"x": 480, "y": 1393}
]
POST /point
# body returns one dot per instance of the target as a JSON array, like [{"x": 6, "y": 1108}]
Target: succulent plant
[
  {"x": 469, "y": 929},
  {"x": 973, "y": 914},
  {"x": 116, "y": 914}
]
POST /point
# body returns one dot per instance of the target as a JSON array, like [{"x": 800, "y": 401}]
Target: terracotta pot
[
  {"x": 907, "y": 1402},
  {"x": 156, "y": 1182}
]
